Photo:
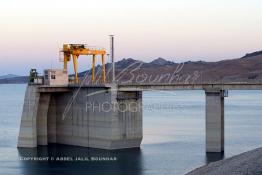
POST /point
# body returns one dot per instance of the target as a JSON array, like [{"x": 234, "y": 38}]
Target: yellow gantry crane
[{"x": 75, "y": 50}]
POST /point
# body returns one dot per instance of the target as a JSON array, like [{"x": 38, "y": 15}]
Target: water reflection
[
  {"x": 129, "y": 161},
  {"x": 212, "y": 157}
]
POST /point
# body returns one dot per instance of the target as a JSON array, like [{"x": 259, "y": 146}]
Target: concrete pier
[
  {"x": 97, "y": 117},
  {"x": 41, "y": 119},
  {"x": 28, "y": 132},
  {"x": 214, "y": 120}
]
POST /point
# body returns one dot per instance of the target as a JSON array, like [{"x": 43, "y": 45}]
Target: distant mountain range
[
  {"x": 245, "y": 69},
  {"x": 14, "y": 80},
  {"x": 8, "y": 76}
]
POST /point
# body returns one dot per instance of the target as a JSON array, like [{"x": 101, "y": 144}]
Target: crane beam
[{"x": 75, "y": 50}]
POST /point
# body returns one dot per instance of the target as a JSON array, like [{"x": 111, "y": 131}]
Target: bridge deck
[
  {"x": 228, "y": 86},
  {"x": 146, "y": 87}
]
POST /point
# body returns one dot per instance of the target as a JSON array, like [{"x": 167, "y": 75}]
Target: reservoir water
[{"x": 173, "y": 142}]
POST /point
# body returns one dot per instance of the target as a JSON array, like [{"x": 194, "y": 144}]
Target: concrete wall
[
  {"x": 127, "y": 126},
  {"x": 90, "y": 117},
  {"x": 95, "y": 120}
]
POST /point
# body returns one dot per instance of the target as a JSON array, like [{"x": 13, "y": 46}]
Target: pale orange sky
[{"x": 33, "y": 31}]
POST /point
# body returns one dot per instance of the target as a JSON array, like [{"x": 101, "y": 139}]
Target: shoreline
[{"x": 247, "y": 163}]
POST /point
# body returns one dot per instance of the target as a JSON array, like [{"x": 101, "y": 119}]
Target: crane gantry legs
[
  {"x": 103, "y": 69},
  {"x": 75, "y": 68},
  {"x": 80, "y": 49},
  {"x": 93, "y": 68}
]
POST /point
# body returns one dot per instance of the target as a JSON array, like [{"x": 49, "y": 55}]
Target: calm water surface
[{"x": 173, "y": 143}]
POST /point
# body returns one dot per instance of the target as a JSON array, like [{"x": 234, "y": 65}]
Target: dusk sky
[{"x": 33, "y": 31}]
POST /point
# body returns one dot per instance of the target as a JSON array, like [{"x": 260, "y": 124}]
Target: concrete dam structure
[
  {"x": 97, "y": 117},
  {"x": 108, "y": 116},
  {"x": 59, "y": 111}
]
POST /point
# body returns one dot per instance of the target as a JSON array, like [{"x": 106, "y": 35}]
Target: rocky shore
[{"x": 248, "y": 163}]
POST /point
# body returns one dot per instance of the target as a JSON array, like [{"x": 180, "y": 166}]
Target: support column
[
  {"x": 214, "y": 120},
  {"x": 66, "y": 56},
  {"x": 93, "y": 68},
  {"x": 103, "y": 69},
  {"x": 51, "y": 120},
  {"x": 65, "y": 63},
  {"x": 75, "y": 68},
  {"x": 41, "y": 119},
  {"x": 28, "y": 130}
]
